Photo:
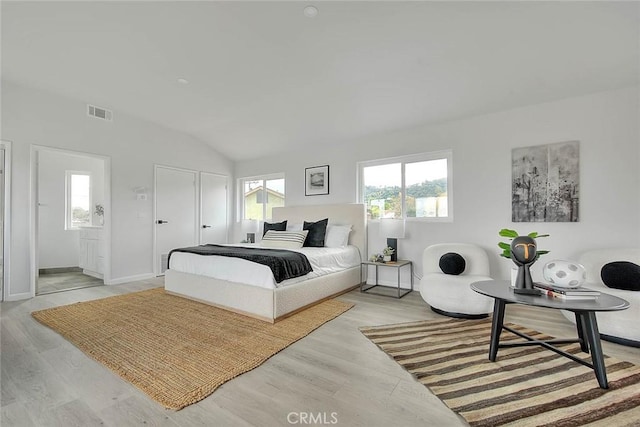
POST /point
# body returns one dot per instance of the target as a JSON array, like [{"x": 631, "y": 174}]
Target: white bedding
[{"x": 323, "y": 261}]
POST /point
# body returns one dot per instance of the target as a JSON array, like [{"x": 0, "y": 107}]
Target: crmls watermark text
[{"x": 322, "y": 418}]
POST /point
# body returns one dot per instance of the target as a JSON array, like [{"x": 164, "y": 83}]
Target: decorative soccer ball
[{"x": 565, "y": 274}]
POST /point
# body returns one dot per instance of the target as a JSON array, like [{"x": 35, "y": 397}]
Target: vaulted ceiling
[{"x": 264, "y": 78}]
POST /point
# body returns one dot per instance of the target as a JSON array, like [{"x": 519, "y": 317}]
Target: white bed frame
[{"x": 274, "y": 304}]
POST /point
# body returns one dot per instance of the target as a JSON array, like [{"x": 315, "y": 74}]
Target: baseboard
[
  {"x": 57, "y": 270},
  {"x": 136, "y": 278}
]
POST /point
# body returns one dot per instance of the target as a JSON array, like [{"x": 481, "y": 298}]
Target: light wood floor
[
  {"x": 335, "y": 371},
  {"x": 56, "y": 282}
]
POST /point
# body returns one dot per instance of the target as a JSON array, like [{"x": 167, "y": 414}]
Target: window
[
  {"x": 260, "y": 195},
  {"x": 78, "y": 200},
  {"x": 417, "y": 186}
]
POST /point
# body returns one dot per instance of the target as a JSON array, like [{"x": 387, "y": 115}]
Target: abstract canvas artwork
[{"x": 546, "y": 183}]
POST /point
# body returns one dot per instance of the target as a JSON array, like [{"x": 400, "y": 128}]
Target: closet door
[
  {"x": 176, "y": 219},
  {"x": 213, "y": 208}
]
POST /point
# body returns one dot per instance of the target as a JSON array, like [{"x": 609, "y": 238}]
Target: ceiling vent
[{"x": 99, "y": 113}]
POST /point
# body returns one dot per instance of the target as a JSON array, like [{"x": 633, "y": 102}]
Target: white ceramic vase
[{"x": 563, "y": 273}]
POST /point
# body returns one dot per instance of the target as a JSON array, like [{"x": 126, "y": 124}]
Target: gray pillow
[
  {"x": 275, "y": 226},
  {"x": 317, "y": 231}
]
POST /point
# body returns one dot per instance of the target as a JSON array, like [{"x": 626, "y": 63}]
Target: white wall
[
  {"x": 58, "y": 247},
  {"x": 31, "y": 116},
  {"x": 606, "y": 124}
]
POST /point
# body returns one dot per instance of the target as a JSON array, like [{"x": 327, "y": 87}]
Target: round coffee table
[{"x": 584, "y": 310}]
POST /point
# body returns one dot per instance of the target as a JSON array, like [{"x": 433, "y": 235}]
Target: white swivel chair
[
  {"x": 449, "y": 294},
  {"x": 622, "y": 327}
]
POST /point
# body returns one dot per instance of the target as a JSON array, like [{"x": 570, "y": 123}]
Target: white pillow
[
  {"x": 284, "y": 239},
  {"x": 337, "y": 236}
]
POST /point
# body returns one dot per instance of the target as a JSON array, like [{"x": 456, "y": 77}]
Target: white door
[
  {"x": 175, "y": 213},
  {"x": 213, "y": 208}
]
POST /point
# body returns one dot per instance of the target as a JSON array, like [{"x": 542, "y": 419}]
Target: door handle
[
  {"x": 160, "y": 221},
  {"x": 206, "y": 226}
]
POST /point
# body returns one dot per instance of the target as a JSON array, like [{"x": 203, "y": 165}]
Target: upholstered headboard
[{"x": 339, "y": 214}]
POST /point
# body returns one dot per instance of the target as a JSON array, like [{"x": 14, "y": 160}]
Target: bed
[{"x": 274, "y": 303}]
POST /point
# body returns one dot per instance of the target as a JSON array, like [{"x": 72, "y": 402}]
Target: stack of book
[{"x": 566, "y": 293}]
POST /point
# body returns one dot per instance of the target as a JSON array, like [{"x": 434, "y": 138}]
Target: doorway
[{"x": 71, "y": 228}]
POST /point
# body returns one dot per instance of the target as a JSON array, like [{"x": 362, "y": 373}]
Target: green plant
[
  {"x": 375, "y": 258},
  {"x": 388, "y": 251},
  {"x": 512, "y": 234}
]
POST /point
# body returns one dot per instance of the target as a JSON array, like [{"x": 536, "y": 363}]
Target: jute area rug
[
  {"x": 526, "y": 386},
  {"x": 176, "y": 350}
]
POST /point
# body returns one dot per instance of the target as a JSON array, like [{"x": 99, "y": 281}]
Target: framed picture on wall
[
  {"x": 546, "y": 183},
  {"x": 316, "y": 180}
]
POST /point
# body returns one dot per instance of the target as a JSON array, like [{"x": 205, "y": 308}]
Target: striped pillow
[{"x": 284, "y": 239}]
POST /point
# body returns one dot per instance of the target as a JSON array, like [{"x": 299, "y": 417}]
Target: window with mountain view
[{"x": 415, "y": 186}]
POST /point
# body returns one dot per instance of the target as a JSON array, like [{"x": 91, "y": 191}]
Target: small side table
[{"x": 398, "y": 265}]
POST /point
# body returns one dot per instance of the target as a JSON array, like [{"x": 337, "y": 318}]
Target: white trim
[
  {"x": 6, "y": 244},
  {"x": 33, "y": 220},
  {"x": 33, "y": 211},
  {"x": 127, "y": 279}
]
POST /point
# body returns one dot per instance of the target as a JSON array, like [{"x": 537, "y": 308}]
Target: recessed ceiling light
[
  {"x": 183, "y": 81},
  {"x": 310, "y": 11}
]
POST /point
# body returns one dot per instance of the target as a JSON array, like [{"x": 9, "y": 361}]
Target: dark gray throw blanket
[{"x": 283, "y": 263}]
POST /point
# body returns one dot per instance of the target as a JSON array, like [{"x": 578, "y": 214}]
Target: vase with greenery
[
  {"x": 376, "y": 258},
  {"x": 506, "y": 247},
  {"x": 387, "y": 252},
  {"x": 99, "y": 212},
  {"x": 512, "y": 234}
]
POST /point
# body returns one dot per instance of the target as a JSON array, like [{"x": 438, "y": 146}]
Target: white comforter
[{"x": 323, "y": 261}]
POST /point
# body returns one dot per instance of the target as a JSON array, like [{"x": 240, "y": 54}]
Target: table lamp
[
  {"x": 251, "y": 227},
  {"x": 392, "y": 229}
]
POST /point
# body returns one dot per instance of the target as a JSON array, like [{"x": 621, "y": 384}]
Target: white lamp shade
[
  {"x": 392, "y": 228},
  {"x": 250, "y": 226}
]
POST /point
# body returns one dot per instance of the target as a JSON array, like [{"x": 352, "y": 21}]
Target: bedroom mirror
[{"x": 71, "y": 221}]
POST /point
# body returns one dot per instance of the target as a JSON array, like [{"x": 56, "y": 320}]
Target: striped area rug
[{"x": 526, "y": 386}]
